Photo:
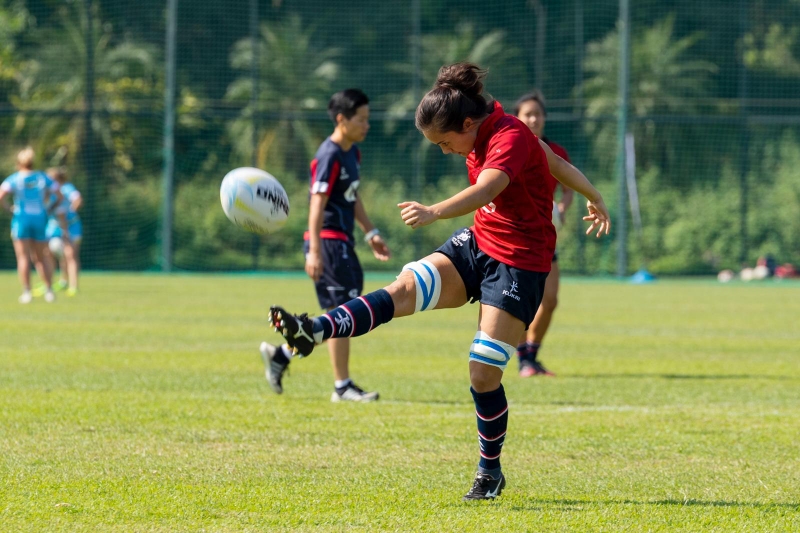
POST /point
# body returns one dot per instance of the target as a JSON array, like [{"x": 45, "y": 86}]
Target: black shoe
[
  {"x": 296, "y": 329},
  {"x": 275, "y": 363},
  {"x": 485, "y": 487},
  {"x": 353, "y": 393},
  {"x": 540, "y": 370}
]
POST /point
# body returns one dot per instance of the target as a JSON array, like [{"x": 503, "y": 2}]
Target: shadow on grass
[
  {"x": 686, "y": 376},
  {"x": 580, "y": 505}
]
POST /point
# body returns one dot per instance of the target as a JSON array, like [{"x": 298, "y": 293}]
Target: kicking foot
[{"x": 296, "y": 329}]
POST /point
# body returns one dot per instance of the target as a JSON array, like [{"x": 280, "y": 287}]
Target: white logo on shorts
[
  {"x": 461, "y": 238},
  {"x": 353, "y": 293},
  {"x": 512, "y": 291}
]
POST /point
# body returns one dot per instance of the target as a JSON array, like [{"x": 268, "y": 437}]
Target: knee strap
[
  {"x": 490, "y": 351},
  {"x": 428, "y": 283}
]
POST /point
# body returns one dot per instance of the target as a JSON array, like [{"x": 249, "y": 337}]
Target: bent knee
[{"x": 403, "y": 293}]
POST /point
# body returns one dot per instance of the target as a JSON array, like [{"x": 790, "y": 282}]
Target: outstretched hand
[
  {"x": 598, "y": 216},
  {"x": 379, "y": 248},
  {"x": 417, "y": 215}
]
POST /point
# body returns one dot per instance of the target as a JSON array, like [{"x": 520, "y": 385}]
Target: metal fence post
[
  {"x": 623, "y": 98},
  {"x": 255, "y": 243},
  {"x": 416, "y": 89},
  {"x": 744, "y": 139},
  {"x": 169, "y": 138}
]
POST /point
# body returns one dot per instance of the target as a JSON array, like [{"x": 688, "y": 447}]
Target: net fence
[{"x": 713, "y": 117}]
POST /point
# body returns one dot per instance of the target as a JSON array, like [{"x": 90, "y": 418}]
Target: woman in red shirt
[
  {"x": 530, "y": 109},
  {"x": 502, "y": 261}
]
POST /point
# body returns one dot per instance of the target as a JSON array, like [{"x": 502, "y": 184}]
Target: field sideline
[{"x": 141, "y": 405}]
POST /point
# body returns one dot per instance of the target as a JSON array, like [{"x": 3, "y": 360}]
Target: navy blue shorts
[
  {"x": 487, "y": 280},
  {"x": 342, "y": 278}
]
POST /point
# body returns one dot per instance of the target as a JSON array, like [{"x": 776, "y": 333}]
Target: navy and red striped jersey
[{"x": 336, "y": 173}]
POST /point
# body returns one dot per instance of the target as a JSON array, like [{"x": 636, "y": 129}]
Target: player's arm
[
  {"x": 76, "y": 202},
  {"x": 316, "y": 215},
  {"x": 371, "y": 234},
  {"x": 489, "y": 184},
  {"x": 62, "y": 223},
  {"x": 571, "y": 177}
]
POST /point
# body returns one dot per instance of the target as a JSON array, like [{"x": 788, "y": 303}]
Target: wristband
[{"x": 370, "y": 234}]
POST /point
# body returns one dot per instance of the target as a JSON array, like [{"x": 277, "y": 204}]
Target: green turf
[{"x": 141, "y": 405}]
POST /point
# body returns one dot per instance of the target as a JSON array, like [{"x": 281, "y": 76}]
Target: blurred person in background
[
  {"x": 67, "y": 209},
  {"x": 30, "y": 190},
  {"x": 530, "y": 109}
]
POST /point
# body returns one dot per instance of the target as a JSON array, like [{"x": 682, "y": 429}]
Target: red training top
[{"x": 515, "y": 228}]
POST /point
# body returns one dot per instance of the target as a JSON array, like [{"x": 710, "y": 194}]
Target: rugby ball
[
  {"x": 254, "y": 200},
  {"x": 56, "y": 246}
]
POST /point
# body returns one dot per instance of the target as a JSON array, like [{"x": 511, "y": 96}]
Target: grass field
[{"x": 141, "y": 405}]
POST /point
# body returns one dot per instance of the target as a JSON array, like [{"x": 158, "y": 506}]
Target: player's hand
[
  {"x": 417, "y": 215},
  {"x": 379, "y": 248},
  {"x": 598, "y": 216},
  {"x": 314, "y": 265}
]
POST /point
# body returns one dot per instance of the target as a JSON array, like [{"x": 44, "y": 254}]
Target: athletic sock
[
  {"x": 357, "y": 317},
  {"x": 522, "y": 349},
  {"x": 533, "y": 350},
  {"x": 340, "y": 384},
  {"x": 491, "y": 409}
]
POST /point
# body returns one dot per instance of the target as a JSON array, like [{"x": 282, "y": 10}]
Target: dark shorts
[
  {"x": 516, "y": 291},
  {"x": 342, "y": 278}
]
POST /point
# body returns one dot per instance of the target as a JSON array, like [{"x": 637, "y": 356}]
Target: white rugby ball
[
  {"x": 56, "y": 246},
  {"x": 254, "y": 200}
]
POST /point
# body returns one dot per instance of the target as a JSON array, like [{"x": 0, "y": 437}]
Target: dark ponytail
[{"x": 455, "y": 96}]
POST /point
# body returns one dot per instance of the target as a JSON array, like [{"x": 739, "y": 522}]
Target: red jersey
[
  {"x": 515, "y": 228},
  {"x": 560, "y": 152}
]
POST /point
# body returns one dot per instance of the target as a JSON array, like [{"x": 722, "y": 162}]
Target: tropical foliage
[{"x": 714, "y": 107}]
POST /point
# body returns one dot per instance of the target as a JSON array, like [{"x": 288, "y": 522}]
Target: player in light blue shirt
[
  {"x": 30, "y": 190},
  {"x": 66, "y": 250}
]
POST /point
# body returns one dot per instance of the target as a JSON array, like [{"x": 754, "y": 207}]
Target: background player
[
  {"x": 508, "y": 169},
  {"x": 331, "y": 261},
  {"x": 31, "y": 190},
  {"x": 68, "y": 208},
  {"x": 531, "y": 110}
]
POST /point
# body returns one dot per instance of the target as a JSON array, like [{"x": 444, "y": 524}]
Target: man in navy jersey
[{"x": 331, "y": 260}]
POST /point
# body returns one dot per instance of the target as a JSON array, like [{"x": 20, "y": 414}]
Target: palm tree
[
  {"x": 53, "y": 90},
  {"x": 488, "y": 50},
  {"x": 295, "y": 77},
  {"x": 664, "y": 81}
]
